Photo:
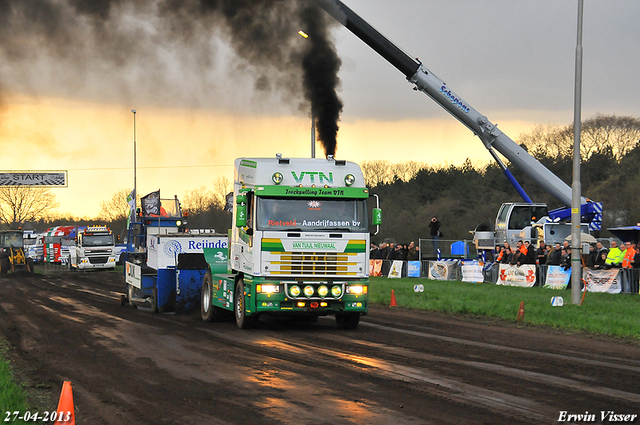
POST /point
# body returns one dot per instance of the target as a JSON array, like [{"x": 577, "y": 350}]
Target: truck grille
[
  {"x": 310, "y": 263},
  {"x": 99, "y": 260}
]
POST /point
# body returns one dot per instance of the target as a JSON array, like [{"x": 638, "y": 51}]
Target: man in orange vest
[{"x": 629, "y": 253}]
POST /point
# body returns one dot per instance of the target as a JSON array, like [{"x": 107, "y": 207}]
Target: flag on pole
[
  {"x": 131, "y": 200},
  {"x": 151, "y": 204}
]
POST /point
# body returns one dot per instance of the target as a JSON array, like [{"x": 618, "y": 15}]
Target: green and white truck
[{"x": 299, "y": 245}]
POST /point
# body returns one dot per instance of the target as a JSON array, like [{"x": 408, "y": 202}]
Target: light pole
[
  {"x": 576, "y": 271},
  {"x": 135, "y": 191}
]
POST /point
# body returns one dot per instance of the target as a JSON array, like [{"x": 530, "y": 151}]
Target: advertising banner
[
  {"x": 557, "y": 277},
  {"x": 442, "y": 270},
  {"x": 413, "y": 268},
  {"x": 396, "y": 269},
  {"x": 472, "y": 271},
  {"x": 163, "y": 250},
  {"x": 375, "y": 267},
  {"x": 603, "y": 281},
  {"x": 524, "y": 275}
]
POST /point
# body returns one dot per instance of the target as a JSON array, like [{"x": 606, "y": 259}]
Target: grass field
[
  {"x": 614, "y": 315},
  {"x": 12, "y": 395}
]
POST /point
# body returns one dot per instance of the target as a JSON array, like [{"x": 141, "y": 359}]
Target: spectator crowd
[
  {"x": 626, "y": 256},
  {"x": 392, "y": 251}
]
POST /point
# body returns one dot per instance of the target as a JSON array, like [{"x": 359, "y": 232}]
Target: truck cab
[
  {"x": 94, "y": 248},
  {"x": 515, "y": 222},
  {"x": 299, "y": 245}
]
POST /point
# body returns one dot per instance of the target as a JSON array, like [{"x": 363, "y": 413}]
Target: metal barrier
[{"x": 629, "y": 278}]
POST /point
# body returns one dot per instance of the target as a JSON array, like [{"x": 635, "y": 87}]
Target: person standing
[
  {"x": 412, "y": 255},
  {"x": 541, "y": 253},
  {"x": 613, "y": 257},
  {"x": 435, "y": 232},
  {"x": 555, "y": 257}
]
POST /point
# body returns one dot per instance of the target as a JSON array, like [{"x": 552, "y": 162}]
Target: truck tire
[
  {"x": 208, "y": 311},
  {"x": 242, "y": 320},
  {"x": 206, "y": 306},
  {"x": 348, "y": 320},
  {"x": 4, "y": 265}
]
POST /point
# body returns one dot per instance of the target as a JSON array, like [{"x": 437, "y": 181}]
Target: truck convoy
[
  {"x": 493, "y": 139},
  {"x": 164, "y": 263},
  {"x": 299, "y": 244},
  {"x": 94, "y": 248}
]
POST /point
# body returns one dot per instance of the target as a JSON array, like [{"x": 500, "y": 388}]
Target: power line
[{"x": 147, "y": 168}]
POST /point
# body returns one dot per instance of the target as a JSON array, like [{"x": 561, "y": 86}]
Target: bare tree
[
  {"x": 221, "y": 187},
  {"x": 19, "y": 204},
  {"x": 377, "y": 172},
  {"x": 600, "y": 133},
  {"x": 199, "y": 200},
  {"x": 115, "y": 209}
]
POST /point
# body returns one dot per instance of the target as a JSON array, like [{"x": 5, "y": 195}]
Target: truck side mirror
[
  {"x": 376, "y": 218},
  {"x": 241, "y": 215}
]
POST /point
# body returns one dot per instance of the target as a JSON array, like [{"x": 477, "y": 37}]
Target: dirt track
[{"x": 399, "y": 367}]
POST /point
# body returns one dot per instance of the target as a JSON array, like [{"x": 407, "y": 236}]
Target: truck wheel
[
  {"x": 30, "y": 265},
  {"x": 348, "y": 320},
  {"x": 208, "y": 311},
  {"x": 4, "y": 265},
  {"x": 131, "y": 291},
  {"x": 206, "y": 306},
  {"x": 242, "y": 320}
]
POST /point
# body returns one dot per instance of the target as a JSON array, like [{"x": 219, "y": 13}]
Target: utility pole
[
  {"x": 135, "y": 188},
  {"x": 576, "y": 188}
]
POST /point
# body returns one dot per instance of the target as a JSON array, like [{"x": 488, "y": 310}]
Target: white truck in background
[{"x": 94, "y": 248}]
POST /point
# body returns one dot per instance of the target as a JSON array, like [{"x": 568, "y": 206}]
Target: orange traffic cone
[
  {"x": 520, "y": 317},
  {"x": 66, "y": 414},
  {"x": 393, "y": 299}
]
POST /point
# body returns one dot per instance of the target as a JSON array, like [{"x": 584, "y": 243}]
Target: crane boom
[{"x": 427, "y": 82}]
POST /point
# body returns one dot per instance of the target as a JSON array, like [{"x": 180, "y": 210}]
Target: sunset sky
[{"x": 64, "y": 106}]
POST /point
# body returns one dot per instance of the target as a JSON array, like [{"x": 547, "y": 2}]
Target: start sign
[{"x": 33, "y": 178}]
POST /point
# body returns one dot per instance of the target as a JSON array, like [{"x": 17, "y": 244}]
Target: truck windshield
[
  {"x": 52, "y": 239},
  {"x": 13, "y": 239},
  {"x": 97, "y": 240},
  {"x": 308, "y": 214}
]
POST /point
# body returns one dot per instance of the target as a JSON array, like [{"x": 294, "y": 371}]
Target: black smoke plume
[{"x": 106, "y": 50}]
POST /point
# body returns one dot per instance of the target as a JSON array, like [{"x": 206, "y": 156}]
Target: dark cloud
[{"x": 63, "y": 47}]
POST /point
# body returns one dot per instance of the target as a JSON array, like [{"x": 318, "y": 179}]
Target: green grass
[
  {"x": 614, "y": 315},
  {"x": 12, "y": 395}
]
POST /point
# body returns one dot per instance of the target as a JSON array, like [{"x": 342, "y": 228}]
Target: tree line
[
  {"x": 411, "y": 192},
  {"x": 465, "y": 196}
]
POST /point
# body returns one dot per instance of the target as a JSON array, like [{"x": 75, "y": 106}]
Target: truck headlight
[
  {"x": 323, "y": 290},
  {"x": 357, "y": 289},
  {"x": 308, "y": 291},
  {"x": 277, "y": 177},
  {"x": 349, "y": 179},
  {"x": 336, "y": 291},
  {"x": 294, "y": 291},
  {"x": 268, "y": 289}
]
